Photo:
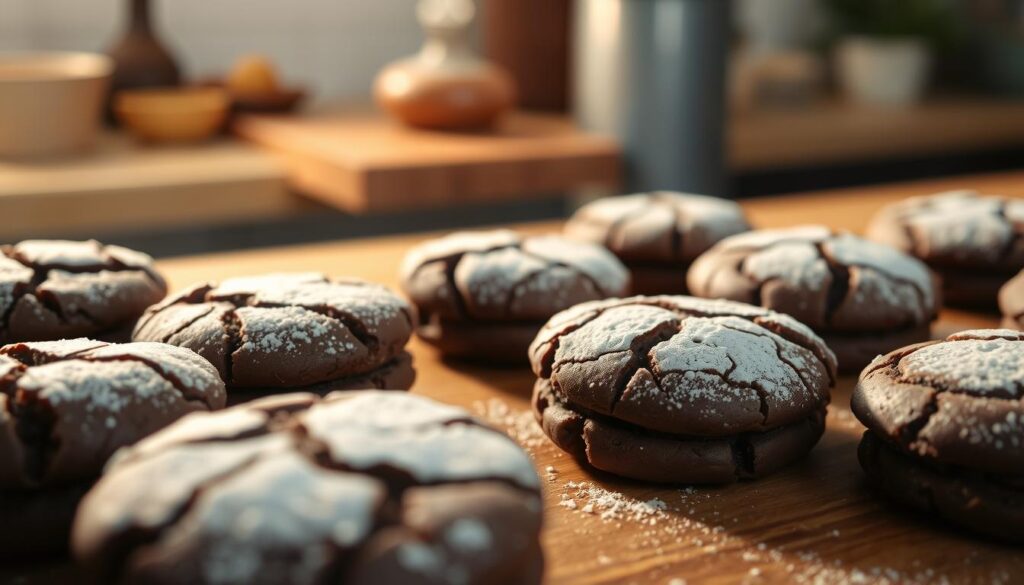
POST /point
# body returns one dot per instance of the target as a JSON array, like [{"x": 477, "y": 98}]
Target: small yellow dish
[{"x": 173, "y": 115}]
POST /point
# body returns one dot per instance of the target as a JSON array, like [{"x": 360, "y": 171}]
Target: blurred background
[{"x": 187, "y": 125}]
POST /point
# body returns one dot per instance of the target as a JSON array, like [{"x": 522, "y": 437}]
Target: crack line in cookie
[
  {"x": 839, "y": 287},
  {"x": 552, "y": 263},
  {"x": 188, "y": 393},
  {"x": 188, "y": 323},
  {"x": 132, "y": 539},
  {"x": 40, "y": 275},
  {"x": 451, "y": 263},
  {"x": 778, "y": 352},
  {"x": 34, "y": 422},
  {"x": 233, "y": 333}
]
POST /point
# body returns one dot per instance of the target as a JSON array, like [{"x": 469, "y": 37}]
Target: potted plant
[{"x": 885, "y": 48}]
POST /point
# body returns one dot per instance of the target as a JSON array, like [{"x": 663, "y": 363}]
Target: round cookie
[
  {"x": 65, "y": 407},
  {"x": 657, "y": 235},
  {"x": 360, "y": 487},
  {"x": 484, "y": 295},
  {"x": 862, "y": 297},
  {"x": 679, "y": 389},
  {"x": 974, "y": 242},
  {"x": 945, "y": 426},
  {"x": 1011, "y": 302},
  {"x": 300, "y": 330},
  {"x": 56, "y": 289}
]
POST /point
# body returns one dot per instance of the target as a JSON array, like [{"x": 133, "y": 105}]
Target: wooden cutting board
[{"x": 358, "y": 160}]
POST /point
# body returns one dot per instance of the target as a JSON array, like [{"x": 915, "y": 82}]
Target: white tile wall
[{"x": 335, "y": 47}]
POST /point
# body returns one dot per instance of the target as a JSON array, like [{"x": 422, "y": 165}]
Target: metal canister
[{"x": 652, "y": 73}]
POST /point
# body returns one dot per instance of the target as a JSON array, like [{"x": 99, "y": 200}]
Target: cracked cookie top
[
  {"x": 828, "y": 280},
  {"x": 683, "y": 365},
  {"x": 1011, "y": 302},
  {"x": 66, "y": 406},
  {"x": 359, "y": 487},
  {"x": 956, "y": 229},
  {"x": 658, "y": 227},
  {"x": 958, "y": 401},
  {"x": 502, "y": 276},
  {"x": 53, "y": 289},
  {"x": 284, "y": 330}
]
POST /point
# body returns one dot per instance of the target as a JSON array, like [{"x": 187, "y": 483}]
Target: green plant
[{"x": 934, "y": 21}]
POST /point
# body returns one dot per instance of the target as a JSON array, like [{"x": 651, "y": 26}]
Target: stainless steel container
[{"x": 652, "y": 73}]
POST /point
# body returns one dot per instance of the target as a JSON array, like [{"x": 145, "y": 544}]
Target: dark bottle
[{"x": 139, "y": 58}]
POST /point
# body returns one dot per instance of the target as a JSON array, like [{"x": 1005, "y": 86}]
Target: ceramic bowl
[
  {"x": 51, "y": 103},
  {"x": 173, "y": 115}
]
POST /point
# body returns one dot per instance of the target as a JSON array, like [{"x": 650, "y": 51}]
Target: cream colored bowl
[
  {"x": 51, "y": 103},
  {"x": 173, "y": 115}
]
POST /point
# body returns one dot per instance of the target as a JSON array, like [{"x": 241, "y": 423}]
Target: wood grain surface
[
  {"x": 357, "y": 160},
  {"x": 814, "y": 522}
]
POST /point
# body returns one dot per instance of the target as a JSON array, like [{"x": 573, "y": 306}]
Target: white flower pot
[{"x": 883, "y": 71}]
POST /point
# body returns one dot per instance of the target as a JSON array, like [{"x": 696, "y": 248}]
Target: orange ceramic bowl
[{"x": 173, "y": 114}]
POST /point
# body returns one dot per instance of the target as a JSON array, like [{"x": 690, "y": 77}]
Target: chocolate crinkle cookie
[
  {"x": 945, "y": 431},
  {"x": 862, "y": 297},
  {"x": 264, "y": 333},
  {"x": 66, "y": 407},
  {"x": 974, "y": 242},
  {"x": 681, "y": 390},
  {"x": 360, "y": 487},
  {"x": 484, "y": 295},
  {"x": 1011, "y": 302},
  {"x": 657, "y": 235},
  {"x": 54, "y": 289}
]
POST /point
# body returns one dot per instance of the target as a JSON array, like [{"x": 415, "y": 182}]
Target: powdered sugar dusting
[
  {"x": 796, "y": 263},
  {"x": 439, "y": 448},
  {"x": 520, "y": 425},
  {"x": 179, "y": 363},
  {"x": 854, "y": 251},
  {"x": 291, "y": 330},
  {"x": 455, "y": 244},
  {"x": 596, "y": 262},
  {"x": 771, "y": 237},
  {"x": 979, "y": 366},
  {"x": 12, "y": 274},
  {"x": 614, "y": 330},
  {"x": 739, "y": 351},
  {"x": 949, "y": 223},
  {"x": 61, "y": 253},
  {"x": 281, "y": 503},
  {"x": 109, "y": 387},
  {"x": 715, "y": 216},
  {"x": 488, "y": 278},
  {"x": 276, "y": 281}
]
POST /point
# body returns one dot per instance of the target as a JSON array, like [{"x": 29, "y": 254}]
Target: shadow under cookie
[
  {"x": 397, "y": 374},
  {"x": 988, "y": 504},
  {"x": 37, "y": 523},
  {"x": 650, "y": 279},
  {"x": 855, "y": 351},
  {"x": 493, "y": 342},
  {"x": 628, "y": 450}
]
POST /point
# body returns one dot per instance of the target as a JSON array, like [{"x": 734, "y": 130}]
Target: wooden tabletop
[{"x": 814, "y": 522}]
